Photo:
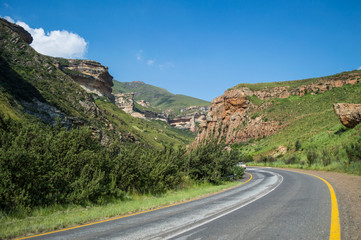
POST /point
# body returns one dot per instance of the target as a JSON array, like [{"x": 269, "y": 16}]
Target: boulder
[{"x": 349, "y": 114}]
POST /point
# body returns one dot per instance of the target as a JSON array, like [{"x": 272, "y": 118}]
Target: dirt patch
[{"x": 348, "y": 193}]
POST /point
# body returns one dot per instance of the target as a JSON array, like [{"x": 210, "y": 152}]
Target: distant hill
[{"x": 158, "y": 97}]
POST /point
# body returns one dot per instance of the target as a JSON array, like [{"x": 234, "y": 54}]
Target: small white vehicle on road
[{"x": 242, "y": 164}]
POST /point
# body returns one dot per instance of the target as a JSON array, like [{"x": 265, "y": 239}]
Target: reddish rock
[
  {"x": 229, "y": 115},
  {"x": 349, "y": 114},
  {"x": 228, "y": 118}
]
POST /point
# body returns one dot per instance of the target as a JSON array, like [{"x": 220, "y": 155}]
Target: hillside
[
  {"x": 158, "y": 97},
  {"x": 288, "y": 122},
  {"x": 35, "y": 87}
]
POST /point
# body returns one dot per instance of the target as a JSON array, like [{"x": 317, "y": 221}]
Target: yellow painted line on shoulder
[
  {"x": 133, "y": 214},
  {"x": 335, "y": 229}
]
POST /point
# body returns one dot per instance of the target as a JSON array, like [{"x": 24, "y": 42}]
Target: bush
[
  {"x": 353, "y": 152},
  {"x": 211, "y": 162},
  {"x": 311, "y": 157},
  {"x": 298, "y": 145},
  {"x": 291, "y": 160}
]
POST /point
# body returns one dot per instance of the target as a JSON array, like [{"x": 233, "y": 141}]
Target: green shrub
[{"x": 311, "y": 157}]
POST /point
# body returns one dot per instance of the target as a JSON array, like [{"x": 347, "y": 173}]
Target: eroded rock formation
[
  {"x": 349, "y": 114},
  {"x": 234, "y": 118},
  {"x": 228, "y": 118},
  {"x": 90, "y": 75},
  {"x": 320, "y": 86},
  {"x": 125, "y": 101}
]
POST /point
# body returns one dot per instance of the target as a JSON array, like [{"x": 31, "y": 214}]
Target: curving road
[{"x": 274, "y": 204}]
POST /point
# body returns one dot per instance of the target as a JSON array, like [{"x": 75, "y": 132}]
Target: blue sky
[{"x": 202, "y": 48}]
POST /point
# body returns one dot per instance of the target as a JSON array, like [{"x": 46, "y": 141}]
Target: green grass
[
  {"x": 56, "y": 217},
  {"x": 311, "y": 121},
  {"x": 333, "y": 167},
  {"x": 158, "y": 97},
  {"x": 295, "y": 83},
  {"x": 154, "y": 133}
]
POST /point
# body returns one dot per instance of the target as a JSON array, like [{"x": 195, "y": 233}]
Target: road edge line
[
  {"x": 335, "y": 227},
  {"x": 133, "y": 214}
]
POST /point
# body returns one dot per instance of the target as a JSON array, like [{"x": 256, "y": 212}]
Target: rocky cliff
[
  {"x": 229, "y": 118},
  {"x": 320, "y": 85},
  {"x": 235, "y": 118},
  {"x": 90, "y": 75},
  {"x": 24, "y": 35}
]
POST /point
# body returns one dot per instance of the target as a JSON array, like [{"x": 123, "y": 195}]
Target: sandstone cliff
[
  {"x": 234, "y": 118},
  {"x": 228, "y": 118},
  {"x": 349, "y": 114},
  {"x": 90, "y": 75},
  {"x": 319, "y": 86}
]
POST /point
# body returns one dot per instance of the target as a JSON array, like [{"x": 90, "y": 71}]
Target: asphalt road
[{"x": 275, "y": 204}]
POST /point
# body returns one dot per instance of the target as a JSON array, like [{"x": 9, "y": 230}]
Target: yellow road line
[
  {"x": 335, "y": 229},
  {"x": 133, "y": 214}
]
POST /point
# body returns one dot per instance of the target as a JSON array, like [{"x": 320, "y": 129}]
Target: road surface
[{"x": 275, "y": 204}]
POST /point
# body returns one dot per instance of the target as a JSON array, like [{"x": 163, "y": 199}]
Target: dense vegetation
[{"x": 42, "y": 165}]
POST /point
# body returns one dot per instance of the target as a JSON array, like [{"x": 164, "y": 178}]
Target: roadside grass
[{"x": 55, "y": 217}]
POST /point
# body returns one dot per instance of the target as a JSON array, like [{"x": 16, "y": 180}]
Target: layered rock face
[
  {"x": 314, "y": 88},
  {"x": 125, "y": 101},
  {"x": 235, "y": 119},
  {"x": 90, "y": 75},
  {"x": 228, "y": 118},
  {"x": 349, "y": 114}
]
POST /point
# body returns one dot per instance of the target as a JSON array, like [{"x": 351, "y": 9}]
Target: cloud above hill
[{"x": 56, "y": 43}]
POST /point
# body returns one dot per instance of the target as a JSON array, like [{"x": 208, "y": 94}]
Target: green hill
[
  {"x": 310, "y": 130},
  {"x": 158, "y": 97},
  {"x": 34, "y": 88}
]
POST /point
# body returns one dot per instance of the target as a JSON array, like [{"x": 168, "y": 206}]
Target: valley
[{"x": 73, "y": 137}]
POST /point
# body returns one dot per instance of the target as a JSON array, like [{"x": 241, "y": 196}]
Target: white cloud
[
  {"x": 166, "y": 65},
  {"x": 139, "y": 55},
  {"x": 9, "y": 19},
  {"x": 150, "y": 62},
  {"x": 359, "y": 68},
  {"x": 57, "y": 43}
]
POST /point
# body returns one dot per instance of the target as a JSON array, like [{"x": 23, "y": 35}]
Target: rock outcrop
[
  {"x": 320, "y": 86},
  {"x": 125, "y": 101},
  {"x": 90, "y": 75},
  {"x": 349, "y": 114},
  {"x": 228, "y": 118},
  {"x": 234, "y": 118},
  {"x": 143, "y": 103},
  {"x": 19, "y": 30}
]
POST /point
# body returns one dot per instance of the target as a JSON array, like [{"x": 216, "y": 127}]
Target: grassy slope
[
  {"x": 309, "y": 120},
  {"x": 26, "y": 74},
  {"x": 293, "y": 84},
  {"x": 158, "y": 97},
  {"x": 154, "y": 133}
]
